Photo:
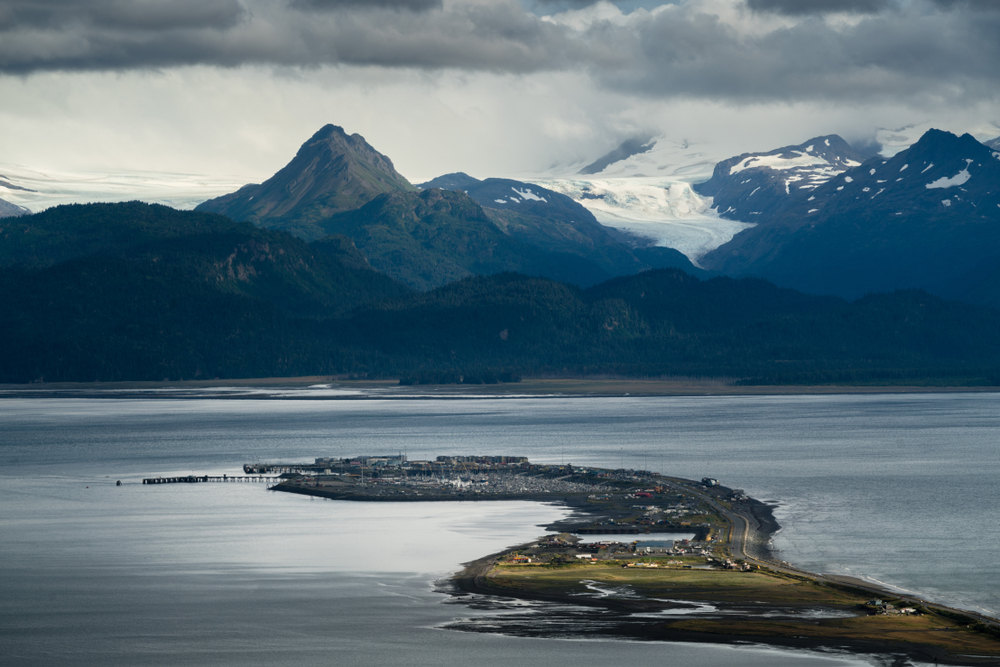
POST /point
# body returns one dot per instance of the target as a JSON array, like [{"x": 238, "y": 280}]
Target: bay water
[{"x": 896, "y": 488}]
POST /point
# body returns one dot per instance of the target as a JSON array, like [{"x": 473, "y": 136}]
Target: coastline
[
  {"x": 750, "y": 596},
  {"x": 335, "y": 388},
  {"x": 630, "y": 619},
  {"x": 770, "y": 603}
]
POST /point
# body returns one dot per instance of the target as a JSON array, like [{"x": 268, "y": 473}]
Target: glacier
[
  {"x": 667, "y": 211},
  {"x": 38, "y": 190}
]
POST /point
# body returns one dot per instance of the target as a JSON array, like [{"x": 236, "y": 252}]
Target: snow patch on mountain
[
  {"x": 960, "y": 178},
  {"x": 798, "y": 159},
  {"x": 528, "y": 194}
]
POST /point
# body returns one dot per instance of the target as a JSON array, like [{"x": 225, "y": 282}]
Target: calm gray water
[{"x": 897, "y": 488}]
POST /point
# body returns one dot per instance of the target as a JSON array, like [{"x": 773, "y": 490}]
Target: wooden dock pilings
[{"x": 193, "y": 479}]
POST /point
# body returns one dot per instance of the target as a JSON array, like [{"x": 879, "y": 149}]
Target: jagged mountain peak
[
  {"x": 753, "y": 186},
  {"x": 628, "y": 148},
  {"x": 935, "y": 141},
  {"x": 940, "y": 171},
  {"x": 809, "y": 163},
  {"x": 331, "y": 172},
  {"x": 333, "y": 141}
]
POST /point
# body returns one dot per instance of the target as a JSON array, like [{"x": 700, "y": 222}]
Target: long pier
[{"x": 194, "y": 479}]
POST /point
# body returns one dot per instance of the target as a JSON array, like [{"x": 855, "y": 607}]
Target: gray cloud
[
  {"x": 811, "y": 7},
  {"x": 919, "y": 50},
  {"x": 327, "y": 5},
  {"x": 908, "y": 54},
  {"x": 803, "y": 7},
  {"x": 548, "y": 5},
  {"x": 988, "y": 5}
]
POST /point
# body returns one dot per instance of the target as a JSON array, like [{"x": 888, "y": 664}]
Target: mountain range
[
  {"x": 816, "y": 227},
  {"x": 449, "y": 228},
  {"x": 929, "y": 218},
  {"x": 338, "y": 265}
]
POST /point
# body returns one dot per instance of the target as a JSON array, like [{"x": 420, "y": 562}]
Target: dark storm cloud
[
  {"x": 913, "y": 50},
  {"x": 61, "y": 15},
  {"x": 494, "y": 36}
]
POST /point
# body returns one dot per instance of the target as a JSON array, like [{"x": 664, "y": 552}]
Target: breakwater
[{"x": 194, "y": 479}]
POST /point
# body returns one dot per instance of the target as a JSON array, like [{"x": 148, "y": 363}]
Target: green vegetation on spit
[{"x": 762, "y": 605}]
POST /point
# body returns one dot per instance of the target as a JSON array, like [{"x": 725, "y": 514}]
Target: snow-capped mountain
[
  {"x": 661, "y": 157},
  {"x": 753, "y": 186},
  {"x": 940, "y": 173},
  {"x": 928, "y": 217},
  {"x": 656, "y": 189}
]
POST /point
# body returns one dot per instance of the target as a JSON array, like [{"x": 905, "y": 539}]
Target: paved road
[{"x": 745, "y": 528}]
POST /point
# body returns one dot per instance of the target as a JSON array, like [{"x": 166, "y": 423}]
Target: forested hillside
[{"x": 196, "y": 297}]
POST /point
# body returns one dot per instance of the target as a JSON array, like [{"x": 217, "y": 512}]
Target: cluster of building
[
  {"x": 623, "y": 501},
  {"x": 554, "y": 548},
  {"x": 505, "y": 483},
  {"x": 388, "y": 476},
  {"x": 888, "y": 609}
]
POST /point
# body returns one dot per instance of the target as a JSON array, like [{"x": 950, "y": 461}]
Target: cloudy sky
[{"x": 491, "y": 87}]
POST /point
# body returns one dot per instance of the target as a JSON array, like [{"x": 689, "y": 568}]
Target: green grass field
[{"x": 954, "y": 635}]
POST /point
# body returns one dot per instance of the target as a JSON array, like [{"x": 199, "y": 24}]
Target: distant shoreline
[{"x": 271, "y": 388}]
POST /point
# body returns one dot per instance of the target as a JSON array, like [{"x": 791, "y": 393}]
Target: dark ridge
[
  {"x": 628, "y": 148},
  {"x": 456, "y": 181}
]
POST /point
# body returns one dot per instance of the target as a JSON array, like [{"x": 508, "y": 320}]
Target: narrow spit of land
[{"x": 723, "y": 585}]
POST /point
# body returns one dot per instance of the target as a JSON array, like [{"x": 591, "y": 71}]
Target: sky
[{"x": 490, "y": 87}]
